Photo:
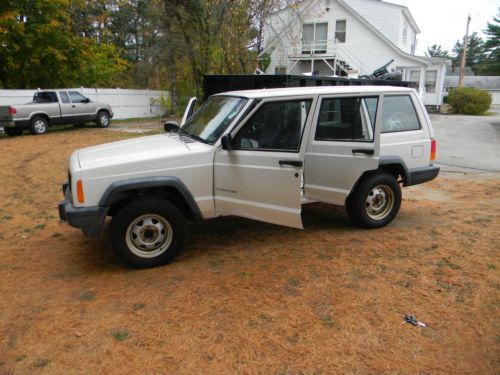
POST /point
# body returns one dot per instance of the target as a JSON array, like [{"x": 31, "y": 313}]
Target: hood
[{"x": 138, "y": 151}]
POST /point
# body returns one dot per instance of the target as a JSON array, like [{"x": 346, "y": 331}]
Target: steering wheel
[{"x": 397, "y": 121}]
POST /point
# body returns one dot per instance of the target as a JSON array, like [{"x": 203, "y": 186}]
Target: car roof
[{"x": 315, "y": 90}]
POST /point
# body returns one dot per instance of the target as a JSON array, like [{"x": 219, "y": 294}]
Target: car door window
[
  {"x": 275, "y": 126},
  {"x": 347, "y": 119},
  {"x": 64, "y": 96},
  {"x": 76, "y": 97},
  {"x": 398, "y": 114}
]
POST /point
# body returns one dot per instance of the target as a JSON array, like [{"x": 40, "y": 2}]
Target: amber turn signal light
[{"x": 79, "y": 191}]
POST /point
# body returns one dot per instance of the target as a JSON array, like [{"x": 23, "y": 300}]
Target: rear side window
[
  {"x": 347, "y": 119},
  {"x": 64, "y": 96},
  {"x": 45, "y": 97},
  {"x": 76, "y": 97},
  {"x": 398, "y": 114}
]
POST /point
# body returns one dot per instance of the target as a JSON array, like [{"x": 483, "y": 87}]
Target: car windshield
[{"x": 209, "y": 122}]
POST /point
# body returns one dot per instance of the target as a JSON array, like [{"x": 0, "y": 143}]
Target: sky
[{"x": 444, "y": 21}]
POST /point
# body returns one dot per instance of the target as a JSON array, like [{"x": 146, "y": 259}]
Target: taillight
[
  {"x": 79, "y": 191},
  {"x": 12, "y": 110},
  {"x": 433, "y": 149}
]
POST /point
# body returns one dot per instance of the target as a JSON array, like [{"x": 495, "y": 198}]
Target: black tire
[
  {"x": 103, "y": 119},
  {"x": 148, "y": 232},
  {"x": 39, "y": 125},
  {"x": 365, "y": 77},
  {"x": 13, "y": 132},
  {"x": 375, "y": 201}
]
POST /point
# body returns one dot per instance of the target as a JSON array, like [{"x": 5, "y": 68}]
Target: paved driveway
[{"x": 468, "y": 142}]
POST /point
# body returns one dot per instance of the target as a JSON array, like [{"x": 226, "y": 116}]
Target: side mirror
[
  {"x": 226, "y": 142},
  {"x": 189, "y": 110},
  {"x": 86, "y": 100},
  {"x": 171, "y": 126}
]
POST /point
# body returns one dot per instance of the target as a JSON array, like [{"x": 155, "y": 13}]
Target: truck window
[
  {"x": 347, "y": 119},
  {"x": 76, "y": 97},
  {"x": 275, "y": 126},
  {"x": 64, "y": 96},
  {"x": 45, "y": 97},
  {"x": 398, "y": 114}
]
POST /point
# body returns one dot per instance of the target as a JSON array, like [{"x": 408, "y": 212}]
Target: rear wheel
[
  {"x": 12, "y": 132},
  {"x": 103, "y": 119},
  {"x": 375, "y": 201},
  {"x": 39, "y": 125},
  {"x": 148, "y": 232}
]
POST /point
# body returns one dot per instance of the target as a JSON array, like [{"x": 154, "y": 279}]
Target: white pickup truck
[
  {"x": 259, "y": 154},
  {"x": 56, "y": 107}
]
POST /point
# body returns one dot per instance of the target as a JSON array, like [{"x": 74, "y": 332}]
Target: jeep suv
[{"x": 259, "y": 154}]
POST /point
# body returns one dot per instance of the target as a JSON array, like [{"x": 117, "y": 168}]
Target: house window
[
  {"x": 340, "y": 30},
  {"x": 430, "y": 81},
  {"x": 280, "y": 70},
  {"x": 415, "y": 77},
  {"x": 314, "y": 37},
  {"x": 405, "y": 33}
]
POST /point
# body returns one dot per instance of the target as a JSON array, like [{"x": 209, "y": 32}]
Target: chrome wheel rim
[
  {"x": 379, "y": 202},
  {"x": 149, "y": 236},
  {"x": 104, "y": 120},
  {"x": 39, "y": 126}
]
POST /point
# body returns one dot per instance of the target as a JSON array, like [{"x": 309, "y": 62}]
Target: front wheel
[
  {"x": 375, "y": 201},
  {"x": 148, "y": 232},
  {"x": 103, "y": 119}
]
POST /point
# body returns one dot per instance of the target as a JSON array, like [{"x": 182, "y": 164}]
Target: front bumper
[
  {"x": 89, "y": 219},
  {"x": 420, "y": 175}
]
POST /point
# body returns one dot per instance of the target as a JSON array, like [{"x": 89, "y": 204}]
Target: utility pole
[{"x": 464, "y": 54}]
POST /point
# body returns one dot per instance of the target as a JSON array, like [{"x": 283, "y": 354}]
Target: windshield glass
[{"x": 214, "y": 116}]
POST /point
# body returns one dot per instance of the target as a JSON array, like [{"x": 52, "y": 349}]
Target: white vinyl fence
[{"x": 126, "y": 103}]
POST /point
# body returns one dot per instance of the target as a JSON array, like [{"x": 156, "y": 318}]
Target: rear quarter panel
[{"x": 413, "y": 146}]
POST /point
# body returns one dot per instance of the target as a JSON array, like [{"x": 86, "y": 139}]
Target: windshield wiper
[{"x": 195, "y": 137}]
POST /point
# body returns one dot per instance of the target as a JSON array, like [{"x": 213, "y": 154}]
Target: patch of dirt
[{"x": 247, "y": 297}]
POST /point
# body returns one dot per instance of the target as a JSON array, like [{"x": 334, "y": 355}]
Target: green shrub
[{"x": 469, "y": 101}]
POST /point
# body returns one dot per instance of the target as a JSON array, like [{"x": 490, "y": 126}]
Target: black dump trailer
[{"x": 214, "y": 83}]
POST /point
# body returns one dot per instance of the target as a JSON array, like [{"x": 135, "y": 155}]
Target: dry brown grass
[{"x": 247, "y": 297}]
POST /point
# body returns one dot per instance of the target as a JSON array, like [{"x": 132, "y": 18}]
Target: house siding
[
  {"x": 364, "y": 49},
  {"x": 384, "y": 17},
  {"x": 364, "y": 46}
]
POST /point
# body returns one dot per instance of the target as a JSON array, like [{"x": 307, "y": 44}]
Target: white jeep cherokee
[{"x": 259, "y": 154}]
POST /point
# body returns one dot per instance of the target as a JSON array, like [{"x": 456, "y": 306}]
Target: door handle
[
  {"x": 363, "y": 151},
  {"x": 293, "y": 163},
  {"x": 73, "y": 106}
]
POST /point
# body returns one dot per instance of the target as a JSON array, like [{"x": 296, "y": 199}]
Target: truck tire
[
  {"x": 148, "y": 232},
  {"x": 103, "y": 119},
  {"x": 38, "y": 125},
  {"x": 12, "y": 132},
  {"x": 375, "y": 201}
]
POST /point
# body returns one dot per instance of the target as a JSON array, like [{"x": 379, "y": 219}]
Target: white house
[{"x": 350, "y": 38}]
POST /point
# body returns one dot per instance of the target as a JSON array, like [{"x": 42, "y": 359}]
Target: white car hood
[{"x": 136, "y": 151}]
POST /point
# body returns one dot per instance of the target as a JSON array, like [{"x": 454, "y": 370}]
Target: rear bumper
[
  {"x": 89, "y": 219},
  {"x": 420, "y": 175},
  {"x": 7, "y": 124}
]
